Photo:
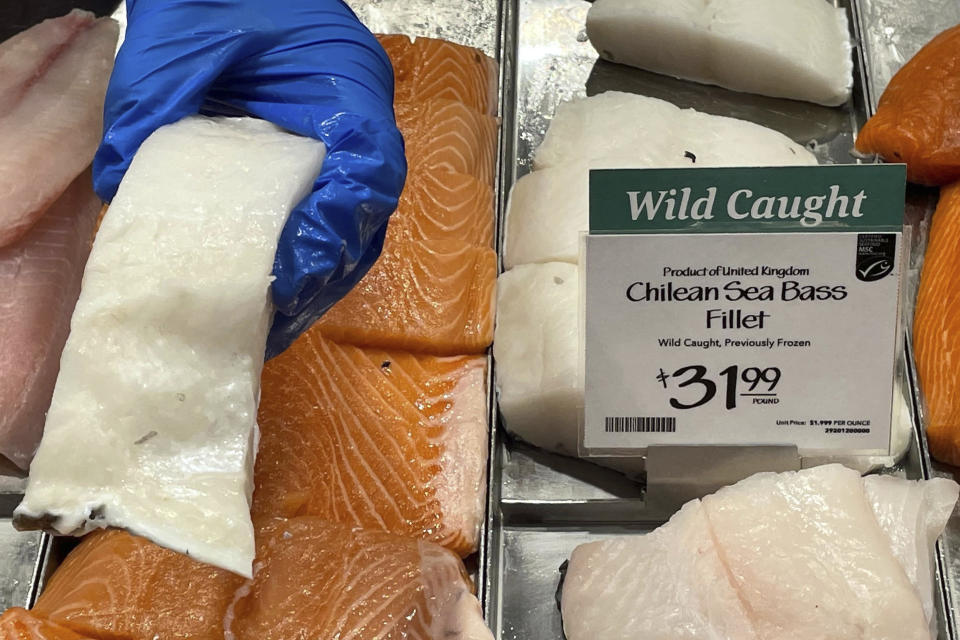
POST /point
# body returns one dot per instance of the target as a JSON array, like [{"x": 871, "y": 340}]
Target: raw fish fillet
[
  {"x": 440, "y": 206},
  {"x": 320, "y": 580},
  {"x": 39, "y": 284},
  {"x": 792, "y": 555},
  {"x": 536, "y": 349},
  {"x": 152, "y": 426},
  {"x": 445, "y": 135},
  {"x": 796, "y": 49},
  {"x": 374, "y": 439},
  {"x": 913, "y": 515},
  {"x": 624, "y": 130},
  {"x": 670, "y": 583},
  {"x": 936, "y": 329},
  {"x": 116, "y": 585},
  {"x": 20, "y": 624},
  {"x": 809, "y": 560},
  {"x": 53, "y": 78},
  {"x": 428, "y": 69},
  {"x": 426, "y": 297},
  {"x": 918, "y": 116}
]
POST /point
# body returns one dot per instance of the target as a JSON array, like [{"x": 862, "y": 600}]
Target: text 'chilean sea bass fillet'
[
  {"x": 796, "y": 49},
  {"x": 152, "y": 426},
  {"x": 53, "y": 78},
  {"x": 39, "y": 283},
  {"x": 819, "y": 553},
  {"x": 375, "y": 439}
]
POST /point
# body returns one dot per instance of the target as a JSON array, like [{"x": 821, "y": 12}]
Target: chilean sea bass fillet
[{"x": 152, "y": 426}]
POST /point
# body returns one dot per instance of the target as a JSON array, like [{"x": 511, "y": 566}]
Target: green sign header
[{"x": 748, "y": 199}]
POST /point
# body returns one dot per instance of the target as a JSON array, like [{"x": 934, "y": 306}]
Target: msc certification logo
[{"x": 876, "y": 255}]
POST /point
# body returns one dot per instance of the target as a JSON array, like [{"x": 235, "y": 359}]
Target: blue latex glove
[{"x": 310, "y": 67}]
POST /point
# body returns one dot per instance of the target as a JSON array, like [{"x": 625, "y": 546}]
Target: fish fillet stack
[
  {"x": 819, "y": 553},
  {"x": 53, "y": 78},
  {"x": 377, "y": 416},
  {"x": 537, "y": 335}
]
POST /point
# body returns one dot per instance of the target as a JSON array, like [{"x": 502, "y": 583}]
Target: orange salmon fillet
[
  {"x": 443, "y": 207},
  {"x": 115, "y": 586},
  {"x": 428, "y": 69},
  {"x": 444, "y": 135},
  {"x": 936, "y": 329},
  {"x": 314, "y": 579},
  {"x": 20, "y": 624},
  {"x": 435, "y": 298},
  {"x": 380, "y": 440},
  {"x": 918, "y": 117}
]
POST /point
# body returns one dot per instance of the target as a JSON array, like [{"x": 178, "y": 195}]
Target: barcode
[{"x": 640, "y": 425}]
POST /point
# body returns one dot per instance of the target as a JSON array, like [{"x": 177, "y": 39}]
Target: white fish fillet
[
  {"x": 53, "y": 78},
  {"x": 549, "y": 207},
  {"x": 535, "y": 345},
  {"x": 792, "y": 555},
  {"x": 913, "y": 515},
  {"x": 796, "y": 49},
  {"x": 39, "y": 284},
  {"x": 153, "y": 421}
]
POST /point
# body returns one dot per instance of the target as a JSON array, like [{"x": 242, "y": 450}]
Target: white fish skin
[
  {"x": 53, "y": 78},
  {"x": 667, "y": 585},
  {"x": 913, "y": 515},
  {"x": 152, "y": 426},
  {"x": 796, "y": 49},
  {"x": 803, "y": 553},
  {"x": 624, "y": 130},
  {"x": 39, "y": 284},
  {"x": 535, "y": 345}
]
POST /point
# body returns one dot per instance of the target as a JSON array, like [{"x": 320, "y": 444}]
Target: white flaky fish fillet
[
  {"x": 39, "y": 284},
  {"x": 796, "y": 49},
  {"x": 53, "y": 78},
  {"x": 535, "y": 346},
  {"x": 913, "y": 515},
  {"x": 797, "y": 555},
  {"x": 152, "y": 426},
  {"x": 549, "y": 207}
]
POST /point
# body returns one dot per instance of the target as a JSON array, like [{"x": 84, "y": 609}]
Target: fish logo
[{"x": 876, "y": 256}]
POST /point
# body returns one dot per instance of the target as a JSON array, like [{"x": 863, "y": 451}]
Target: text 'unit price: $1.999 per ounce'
[{"x": 757, "y": 384}]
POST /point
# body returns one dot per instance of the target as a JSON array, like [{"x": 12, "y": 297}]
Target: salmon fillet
[
  {"x": 20, "y": 624},
  {"x": 918, "y": 117},
  {"x": 116, "y": 585},
  {"x": 53, "y": 78},
  {"x": 441, "y": 206},
  {"x": 374, "y": 439},
  {"x": 427, "y": 69},
  {"x": 445, "y": 135},
  {"x": 435, "y": 298},
  {"x": 39, "y": 284},
  {"x": 936, "y": 329},
  {"x": 315, "y": 579}
]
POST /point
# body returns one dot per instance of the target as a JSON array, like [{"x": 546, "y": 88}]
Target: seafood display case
[{"x": 541, "y": 505}]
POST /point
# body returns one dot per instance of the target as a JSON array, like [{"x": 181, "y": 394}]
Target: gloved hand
[{"x": 308, "y": 66}]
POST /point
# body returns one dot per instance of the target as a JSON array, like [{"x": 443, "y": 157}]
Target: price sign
[{"x": 742, "y": 307}]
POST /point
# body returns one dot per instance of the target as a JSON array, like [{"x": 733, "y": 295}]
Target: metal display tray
[{"x": 541, "y": 506}]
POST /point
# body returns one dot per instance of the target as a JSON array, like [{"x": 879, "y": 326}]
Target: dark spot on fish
[
  {"x": 385, "y": 364},
  {"x": 148, "y": 435},
  {"x": 582, "y": 36},
  {"x": 97, "y": 513},
  {"x": 793, "y": 151},
  {"x": 181, "y": 397},
  {"x": 450, "y": 633},
  {"x": 557, "y": 280},
  {"x": 691, "y": 156},
  {"x": 897, "y": 154}
]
